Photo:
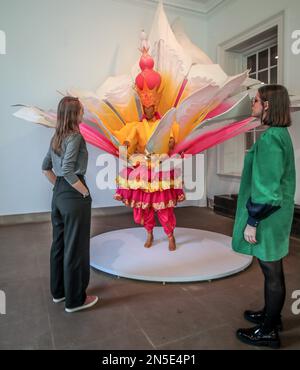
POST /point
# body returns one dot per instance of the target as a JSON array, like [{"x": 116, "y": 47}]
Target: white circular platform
[{"x": 200, "y": 255}]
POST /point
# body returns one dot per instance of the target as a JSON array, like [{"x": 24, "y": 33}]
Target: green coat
[{"x": 268, "y": 178}]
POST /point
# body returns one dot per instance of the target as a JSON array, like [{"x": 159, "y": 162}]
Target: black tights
[{"x": 274, "y": 292}]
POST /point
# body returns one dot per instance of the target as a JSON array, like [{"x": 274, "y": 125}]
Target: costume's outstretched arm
[
  {"x": 228, "y": 112},
  {"x": 216, "y": 137},
  {"x": 196, "y": 107}
]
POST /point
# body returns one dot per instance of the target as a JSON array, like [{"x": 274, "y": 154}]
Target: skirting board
[{"x": 46, "y": 216}]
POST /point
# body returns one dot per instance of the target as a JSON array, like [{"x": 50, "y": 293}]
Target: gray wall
[{"x": 53, "y": 45}]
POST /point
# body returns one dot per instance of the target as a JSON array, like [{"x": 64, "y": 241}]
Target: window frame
[
  {"x": 258, "y": 130},
  {"x": 233, "y": 49},
  {"x": 269, "y": 68}
]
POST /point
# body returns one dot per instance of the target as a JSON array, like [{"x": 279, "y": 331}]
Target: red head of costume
[{"x": 148, "y": 81}]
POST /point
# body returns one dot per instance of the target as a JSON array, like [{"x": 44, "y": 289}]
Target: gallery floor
[{"x": 131, "y": 314}]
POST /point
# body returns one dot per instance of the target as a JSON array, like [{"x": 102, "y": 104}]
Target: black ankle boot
[
  {"x": 258, "y": 317},
  {"x": 257, "y": 336}
]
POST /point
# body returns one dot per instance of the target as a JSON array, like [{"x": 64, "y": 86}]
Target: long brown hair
[
  {"x": 278, "y": 113},
  {"x": 68, "y": 115}
]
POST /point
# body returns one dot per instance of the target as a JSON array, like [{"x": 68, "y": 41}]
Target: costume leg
[
  {"x": 145, "y": 217},
  {"x": 167, "y": 219}
]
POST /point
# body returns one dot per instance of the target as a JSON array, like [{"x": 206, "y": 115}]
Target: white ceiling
[{"x": 198, "y": 6}]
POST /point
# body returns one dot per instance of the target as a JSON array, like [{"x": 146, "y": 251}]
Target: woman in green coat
[{"x": 265, "y": 210}]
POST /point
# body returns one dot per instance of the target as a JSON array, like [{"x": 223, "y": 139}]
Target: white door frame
[{"x": 278, "y": 20}]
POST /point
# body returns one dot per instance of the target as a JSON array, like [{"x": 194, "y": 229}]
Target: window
[
  {"x": 263, "y": 66},
  {"x": 261, "y": 50}
]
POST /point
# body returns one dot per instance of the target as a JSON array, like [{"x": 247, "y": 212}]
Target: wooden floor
[{"x": 132, "y": 314}]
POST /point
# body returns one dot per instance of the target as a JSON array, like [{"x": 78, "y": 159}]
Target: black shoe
[
  {"x": 258, "y": 337},
  {"x": 258, "y": 317}
]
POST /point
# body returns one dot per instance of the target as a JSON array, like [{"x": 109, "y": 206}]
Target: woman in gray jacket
[{"x": 65, "y": 166}]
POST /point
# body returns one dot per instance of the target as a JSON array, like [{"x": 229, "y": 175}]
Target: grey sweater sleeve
[
  {"x": 70, "y": 157},
  {"x": 47, "y": 162}
]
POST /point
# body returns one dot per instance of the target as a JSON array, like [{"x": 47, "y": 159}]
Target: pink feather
[
  {"x": 93, "y": 137},
  {"x": 222, "y": 108},
  {"x": 216, "y": 137}
]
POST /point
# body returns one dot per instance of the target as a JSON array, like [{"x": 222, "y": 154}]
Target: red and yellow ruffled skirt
[{"x": 142, "y": 188}]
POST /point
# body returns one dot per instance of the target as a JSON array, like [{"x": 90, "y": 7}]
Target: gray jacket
[{"x": 73, "y": 160}]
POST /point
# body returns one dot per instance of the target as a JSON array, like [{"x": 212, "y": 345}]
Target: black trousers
[
  {"x": 70, "y": 251},
  {"x": 275, "y": 292}
]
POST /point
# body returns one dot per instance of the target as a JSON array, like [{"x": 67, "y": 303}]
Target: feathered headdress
[{"x": 148, "y": 81}]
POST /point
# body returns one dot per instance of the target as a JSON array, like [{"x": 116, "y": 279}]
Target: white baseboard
[{"x": 46, "y": 216}]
